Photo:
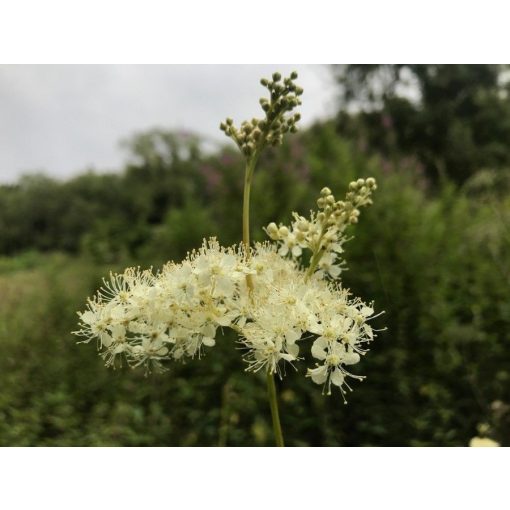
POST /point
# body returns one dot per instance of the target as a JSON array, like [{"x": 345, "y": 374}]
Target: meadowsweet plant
[{"x": 282, "y": 297}]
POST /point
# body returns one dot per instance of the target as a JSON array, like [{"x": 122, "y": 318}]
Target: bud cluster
[
  {"x": 323, "y": 232},
  {"x": 255, "y": 134}
]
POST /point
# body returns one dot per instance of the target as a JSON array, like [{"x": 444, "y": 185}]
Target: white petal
[
  {"x": 283, "y": 250},
  {"x": 88, "y": 317},
  {"x": 334, "y": 271},
  {"x": 337, "y": 378},
  {"x": 224, "y": 320},
  {"x": 366, "y": 311},
  {"x": 293, "y": 350},
  {"x": 224, "y": 285},
  {"x": 319, "y": 375},
  {"x": 209, "y": 330},
  {"x": 117, "y": 312},
  {"x": 351, "y": 358},
  {"x": 106, "y": 339},
  {"x": 319, "y": 348},
  {"x": 291, "y": 337},
  {"x": 208, "y": 341}
]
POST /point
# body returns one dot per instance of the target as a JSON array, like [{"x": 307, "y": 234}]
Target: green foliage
[
  {"x": 436, "y": 262},
  {"x": 454, "y": 118}
]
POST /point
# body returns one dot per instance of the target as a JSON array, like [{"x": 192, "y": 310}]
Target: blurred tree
[{"x": 454, "y": 118}]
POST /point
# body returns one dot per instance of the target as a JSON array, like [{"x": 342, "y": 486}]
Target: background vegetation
[{"x": 433, "y": 252}]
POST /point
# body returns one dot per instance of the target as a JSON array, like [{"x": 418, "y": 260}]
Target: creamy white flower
[
  {"x": 148, "y": 319},
  {"x": 483, "y": 442}
]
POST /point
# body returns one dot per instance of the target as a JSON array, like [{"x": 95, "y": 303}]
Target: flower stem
[
  {"x": 248, "y": 177},
  {"x": 271, "y": 388},
  {"x": 273, "y": 402}
]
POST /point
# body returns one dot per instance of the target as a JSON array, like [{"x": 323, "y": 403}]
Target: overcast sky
[{"x": 65, "y": 119}]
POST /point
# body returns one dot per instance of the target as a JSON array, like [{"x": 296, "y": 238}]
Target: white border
[
  {"x": 225, "y": 31},
  {"x": 256, "y": 478}
]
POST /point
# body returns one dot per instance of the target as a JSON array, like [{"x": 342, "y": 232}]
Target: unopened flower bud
[
  {"x": 272, "y": 231},
  {"x": 325, "y": 191},
  {"x": 303, "y": 226},
  {"x": 283, "y": 231}
]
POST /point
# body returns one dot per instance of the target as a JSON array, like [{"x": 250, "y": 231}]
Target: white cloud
[{"x": 64, "y": 119}]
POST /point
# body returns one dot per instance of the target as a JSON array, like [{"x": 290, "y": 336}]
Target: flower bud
[
  {"x": 283, "y": 231},
  {"x": 325, "y": 191},
  {"x": 277, "y": 76},
  {"x": 272, "y": 231},
  {"x": 303, "y": 226}
]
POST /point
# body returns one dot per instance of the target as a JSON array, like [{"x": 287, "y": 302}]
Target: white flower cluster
[
  {"x": 275, "y": 305},
  {"x": 323, "y": 233}
]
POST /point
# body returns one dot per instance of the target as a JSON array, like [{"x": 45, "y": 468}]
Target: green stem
[
  {"x": 271, "y": 388},
  {"x": 248, "y": 177},
  {"x": 273, "y": 402},
  {"x": 313, "y": 263}
]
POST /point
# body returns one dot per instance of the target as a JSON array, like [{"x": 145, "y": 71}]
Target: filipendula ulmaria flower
[{"x": 278, "y": 306}]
